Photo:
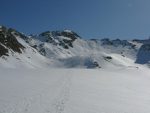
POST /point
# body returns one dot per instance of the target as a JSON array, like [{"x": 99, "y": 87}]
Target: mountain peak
[
  {"x": 63, "y": 38},
  {"x": 68, "y": 30}
]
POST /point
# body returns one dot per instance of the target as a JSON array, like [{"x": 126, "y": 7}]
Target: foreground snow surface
[{"x": 75, "y": 91}]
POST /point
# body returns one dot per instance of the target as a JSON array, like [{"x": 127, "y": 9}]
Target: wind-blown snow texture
[{"x": 122, "y": 90}]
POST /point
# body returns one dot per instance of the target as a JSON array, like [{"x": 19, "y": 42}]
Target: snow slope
[
  {"x": 66, "y": 49},
  {"x": 82, "y": 53},
  {"x": 122, "y": 90}
]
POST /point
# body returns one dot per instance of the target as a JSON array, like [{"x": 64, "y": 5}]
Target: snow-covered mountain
[
  {"x": 66, "y": 49},
  {"x": 119, "y": 82}
]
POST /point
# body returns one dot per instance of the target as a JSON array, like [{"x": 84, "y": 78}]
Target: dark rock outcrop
[
  {"x": 8, "y": 41},
  {"x": 3, "y": 51},
  {"x": 143, "y": 56},
  {"x": 117, "y": 42},
  {"x": 56, "y": 38}
]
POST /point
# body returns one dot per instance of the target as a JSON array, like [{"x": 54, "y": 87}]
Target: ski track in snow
[
  {"x": 57, "y": 105},
  {"x": 60, "y": 102}
]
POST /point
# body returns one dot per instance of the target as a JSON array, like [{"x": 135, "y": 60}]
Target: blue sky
[{"x": 124, "y": 19}]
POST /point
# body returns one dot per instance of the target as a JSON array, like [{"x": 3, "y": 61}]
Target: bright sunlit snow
[{"x": 75, "y": 90}]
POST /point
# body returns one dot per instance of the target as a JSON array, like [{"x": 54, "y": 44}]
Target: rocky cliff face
[
  {"x": 62, "y": 38},
  {"x": 8, "y": 41},
  {"x": 143, "y": 55}
]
